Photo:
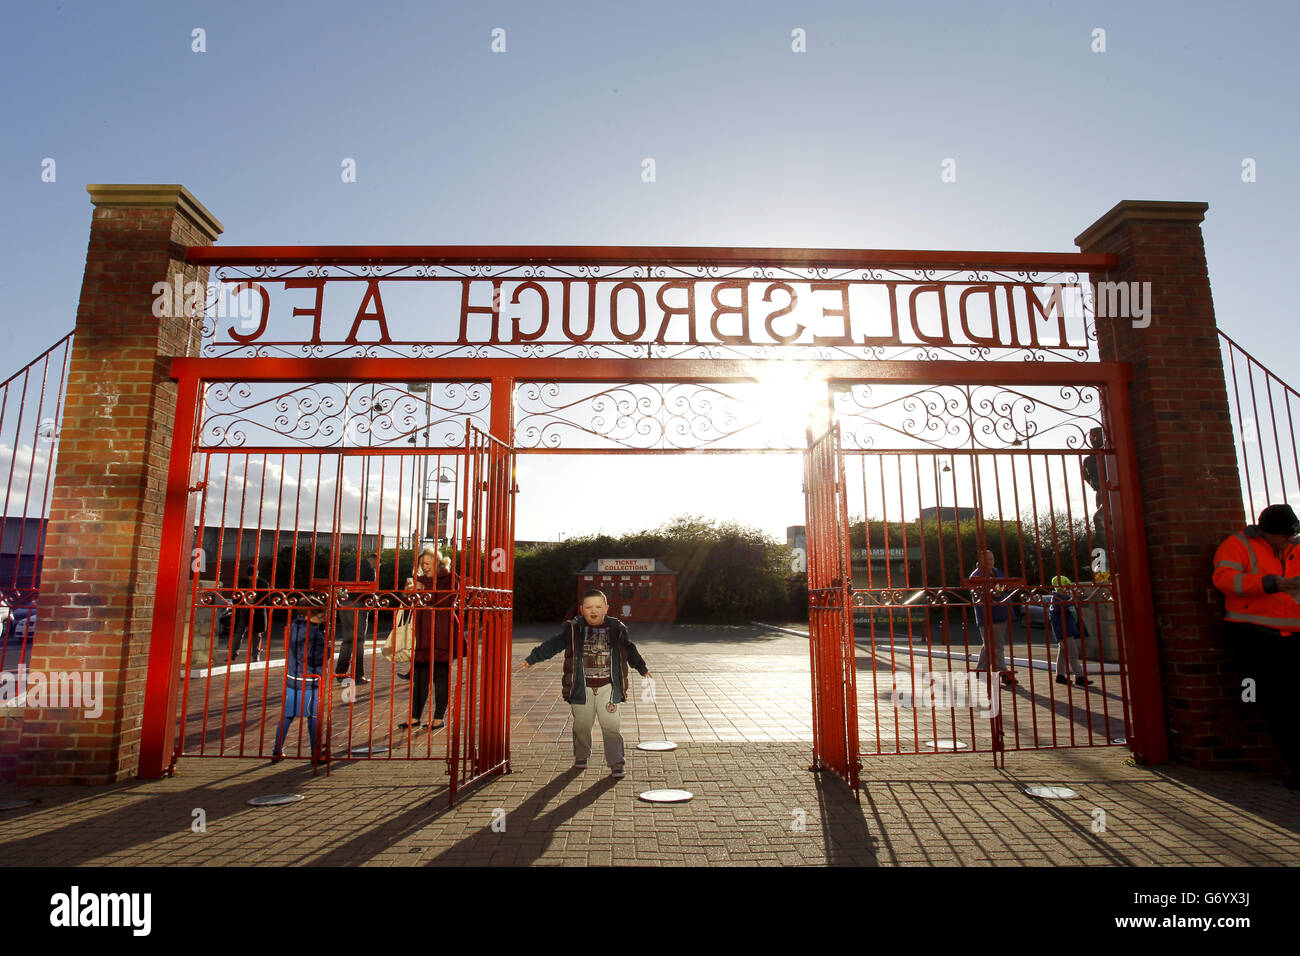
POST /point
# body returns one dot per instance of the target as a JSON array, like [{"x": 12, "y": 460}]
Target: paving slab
[{"x": 755, "y": 803}]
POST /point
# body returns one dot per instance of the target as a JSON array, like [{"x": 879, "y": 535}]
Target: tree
[{"x": 726, "y": 572}]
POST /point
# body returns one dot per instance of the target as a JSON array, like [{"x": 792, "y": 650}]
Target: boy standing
[
  {"x": 303, "y": 671},
  {"x": 597, "y": 655}
]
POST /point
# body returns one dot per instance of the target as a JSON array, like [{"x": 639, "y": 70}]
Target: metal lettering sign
[
  {"x": 871, "y": 313},
  {"x": 725, "y": 303}
]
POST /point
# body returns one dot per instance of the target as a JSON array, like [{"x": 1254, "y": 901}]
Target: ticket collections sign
[{"x": 624, "y": 565}]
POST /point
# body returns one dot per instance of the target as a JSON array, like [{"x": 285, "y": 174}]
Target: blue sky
[{"x": 754, "y": 145}]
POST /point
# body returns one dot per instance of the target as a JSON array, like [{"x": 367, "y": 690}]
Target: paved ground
[{"x": 736, "y": 700}]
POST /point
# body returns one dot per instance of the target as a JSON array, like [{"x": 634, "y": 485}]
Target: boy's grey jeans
[{"x": 584, "y": 715}]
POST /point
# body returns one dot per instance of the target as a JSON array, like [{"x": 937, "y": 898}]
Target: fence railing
[
  {"x": 31, "y": 410},
  {"x": 1264, "y": 410}
]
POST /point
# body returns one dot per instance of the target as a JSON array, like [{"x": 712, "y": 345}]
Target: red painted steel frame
[
  {"x": 1150, "y": 743},
  {"x": 831, "y": 646},
  {"x": 479, "y": 742},
  {"x": 1148, "y": 724},
  {"x": 641, "y": 255},
  {"x": 509, "y": 370},
  {"x": 162, "y": 686}
]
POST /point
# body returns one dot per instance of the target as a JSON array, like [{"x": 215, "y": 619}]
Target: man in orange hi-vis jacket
[{"x": 1258, "y": 571}]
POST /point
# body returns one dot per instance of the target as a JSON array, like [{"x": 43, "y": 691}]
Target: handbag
[{"x": 398, "y": 646}]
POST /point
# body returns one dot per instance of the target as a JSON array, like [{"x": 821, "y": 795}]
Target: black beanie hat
[{"x": 1278, "y": 519}]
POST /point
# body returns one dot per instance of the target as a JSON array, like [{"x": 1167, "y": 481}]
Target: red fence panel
[
  {"x": 941, "y": 473},
  {"x": 481, "y": 694},
  {"x": 831, "y": 648},
  {"x": 1264, "y": 410},
  {"x": 31, "y": 408}
]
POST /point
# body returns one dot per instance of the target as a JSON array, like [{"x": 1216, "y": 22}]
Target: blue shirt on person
[{"x": 1000, "y": 611}]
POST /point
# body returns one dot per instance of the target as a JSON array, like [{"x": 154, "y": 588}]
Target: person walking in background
[
  {"x": 999, "y": 626},
  {"x": 249, "y": 620},
  {"x": 356, "y": 625},
  {"x": 1258, "y": 571}
]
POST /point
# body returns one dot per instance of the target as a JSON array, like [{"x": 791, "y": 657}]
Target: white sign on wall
[{"x": 608, "y": 565}]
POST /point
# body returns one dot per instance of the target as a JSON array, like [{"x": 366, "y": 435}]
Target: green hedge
[{"x": 725, "y": 572}]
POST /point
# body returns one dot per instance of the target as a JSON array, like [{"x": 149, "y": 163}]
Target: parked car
[
  {"x": 20, "y": 625},
  {"x": 1031, "y": 613}
]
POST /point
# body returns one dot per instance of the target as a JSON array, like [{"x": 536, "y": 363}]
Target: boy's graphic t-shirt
[{"x": 595, "y": 655}]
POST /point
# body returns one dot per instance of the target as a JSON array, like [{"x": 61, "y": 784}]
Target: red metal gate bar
[
  {"x": 158, "y": 725},
  {"x": 481, "y": 703},
  {"x": 1265, "y": 477},
  {"x": 832, "y": 651},
  {"x": 1149, "y": 742},
  {"x": 636, "y": 370},
  {"x": 19, "y": 418},
  {"x": 644, "y": 255}
]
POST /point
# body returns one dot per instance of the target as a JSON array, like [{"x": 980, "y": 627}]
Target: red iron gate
[
  {"x": 1039, "y": 474},
  {"x": 830, "y": 622},
  {"x": 575, "y": 361},
  {"x": 480, "y": 725},
  {"x": 274, "y": 529}
]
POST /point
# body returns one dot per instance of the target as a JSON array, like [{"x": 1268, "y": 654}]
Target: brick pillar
[
  {"x": 1190, "y": 487},
  {"x": 101, "y": 547}
]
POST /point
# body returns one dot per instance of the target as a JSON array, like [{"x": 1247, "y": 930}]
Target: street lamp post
[{"x": 452, "y": 513}]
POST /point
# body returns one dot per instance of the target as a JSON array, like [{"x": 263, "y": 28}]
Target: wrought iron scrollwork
[
  {"x": 980, "y": 417},
  {"x": 646, "y": 416},
  {"x": 336, "y": 414}
]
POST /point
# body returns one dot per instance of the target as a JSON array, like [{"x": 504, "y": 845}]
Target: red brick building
[{"x": 638, "y": 589}]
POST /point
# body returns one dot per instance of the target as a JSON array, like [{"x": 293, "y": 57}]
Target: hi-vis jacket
[{"x": 1246, "y": 569}]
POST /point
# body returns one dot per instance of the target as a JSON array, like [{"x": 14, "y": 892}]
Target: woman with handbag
[{"x": 431, "y": 638}]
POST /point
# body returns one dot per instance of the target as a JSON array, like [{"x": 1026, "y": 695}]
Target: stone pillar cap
[
  {"x": 1132, "y": 209},
  {"x": 173, "y": 196}
]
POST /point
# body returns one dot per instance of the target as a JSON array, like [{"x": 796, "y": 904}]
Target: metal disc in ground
[
  {"x": 363, "y": 751},
  {"x": 946, "y": 745},
  {"x": 1052, "y": 793},
  {"x": 667, "y": 796},
  {"x": 656, "y": 745},
  {"x": 1119, "y": 740},
  {"x": 275, "y": 800},
  {"x": 15, "y": 804}
]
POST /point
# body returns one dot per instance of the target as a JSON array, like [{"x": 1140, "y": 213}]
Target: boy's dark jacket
[
  {"x": 315, "y": 653},
  {"x": 573, "y": 685}
]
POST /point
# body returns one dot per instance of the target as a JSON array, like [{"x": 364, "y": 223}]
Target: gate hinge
[{"x": 199, "y": 487}]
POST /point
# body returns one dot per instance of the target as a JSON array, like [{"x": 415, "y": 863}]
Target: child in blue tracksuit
[
  {"x": 1067, "y": 628},
  {"x": 303, "y": 671}
]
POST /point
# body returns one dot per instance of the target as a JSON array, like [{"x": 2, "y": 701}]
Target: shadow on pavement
[
  {"x": 528, "y": 831},
  {"x": 845, "y": 832}
]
